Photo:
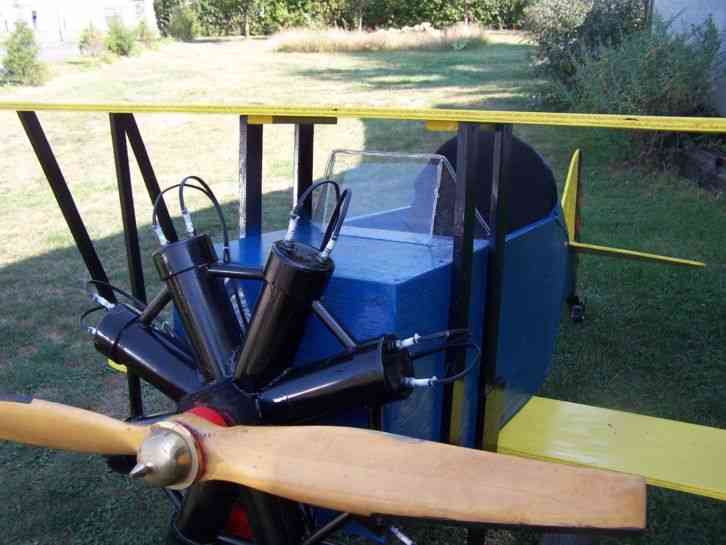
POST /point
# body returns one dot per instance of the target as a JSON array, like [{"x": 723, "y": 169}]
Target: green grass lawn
[{"x": 654, "y": 341}]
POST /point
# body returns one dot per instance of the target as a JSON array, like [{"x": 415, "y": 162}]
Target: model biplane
[{"x": 359, "y": 361}]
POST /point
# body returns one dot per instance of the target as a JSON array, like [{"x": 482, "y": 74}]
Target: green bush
[
  {"x": 21, "y": 64},
  {"x": 91, "y": 42},
  {"x": 566, "y": 30},
  {"x": 120, "y": 39},
  {"x": 658, "y": 72},
  {"x": 184, "y": 24}
]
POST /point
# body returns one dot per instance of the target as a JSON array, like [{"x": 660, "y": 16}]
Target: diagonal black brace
[
  {"x": 147, "y": 173},
  {"x": 131, "y": 237},
  {"x": 128, "y": 214},
  {"x": 63, "y": 197}
]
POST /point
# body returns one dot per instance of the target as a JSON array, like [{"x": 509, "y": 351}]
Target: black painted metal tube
[
  {"x": 63, "y": 197},
  {"x": 250, "y": 177},
  {"x": 296, "y": 276},
  {"x": 304, "y": 137},
  {"x": 326, "y": 530},
  {"x": 128, "y": 213},
  {"x": 202, "y": 303},
  {"x": 146, "y": 352},
  {"x": 155, "y": 306},
  {"x": 235, "y": 272},
  {"x": 461, "y": 271},
  {"x": 147, "y": 173},
  {"x": 333, "y": 326},
  {"x": 131, "y": 238},
  {"x": 491, "y": 408}
]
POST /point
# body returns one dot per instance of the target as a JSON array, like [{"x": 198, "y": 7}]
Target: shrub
[
  {"x": 565, "y": 30},
  {"x": 420, "y": 37},
  {"x": 184, "y": 24},
  {"x": 656, "y": 72},
  {"x": 91, "y": 42},
  {"x": 21, "y": 64},
  {"x": 120, "y": 39}
]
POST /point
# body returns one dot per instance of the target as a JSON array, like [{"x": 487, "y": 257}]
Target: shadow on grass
[
  {"x": 43, "y": 352},
  {"x": 421, "y": 70}
]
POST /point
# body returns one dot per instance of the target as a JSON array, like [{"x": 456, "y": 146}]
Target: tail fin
[
  {"x": 571, "y": 195},
  {"x": 571, "y": 198}
]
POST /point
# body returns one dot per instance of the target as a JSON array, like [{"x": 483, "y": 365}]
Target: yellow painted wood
[
  {"x": 116, "y": 366},
  {"x": 443, "y": 126},
  {"x": 260, "y": 119},
  {"x": 676, "y": 124},
  {"x": 452, "y": 126},
  {"x": 52, "y": 425},
  {"x": 670, "y": 454},
  {"x": 457, "y": 404},
  {"x": 630, "y": 254},
  {"x": 367, "y": 472},
  {"x": 569, "y": 194},
  {"x": 287, "y": 120}
]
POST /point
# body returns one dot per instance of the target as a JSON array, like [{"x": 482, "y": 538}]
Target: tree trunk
[{"x": 247, "y": 25}]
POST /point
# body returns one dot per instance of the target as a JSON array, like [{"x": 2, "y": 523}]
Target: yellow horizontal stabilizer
[
  {"x": 669, "y": 454},
  {"x": 630, "y": 254},
  {"x": 569, "y": 195}
]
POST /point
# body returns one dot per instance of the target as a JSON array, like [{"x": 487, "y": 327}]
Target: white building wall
[
  {"x": 692, "y": 12},
  {"x": 63, "y": 20}
]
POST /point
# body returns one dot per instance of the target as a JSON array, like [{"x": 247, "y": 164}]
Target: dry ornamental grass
[{"x": 422, "y": 36}]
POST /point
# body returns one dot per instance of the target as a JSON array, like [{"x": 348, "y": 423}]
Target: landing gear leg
[{"x": 577, "y": 308}]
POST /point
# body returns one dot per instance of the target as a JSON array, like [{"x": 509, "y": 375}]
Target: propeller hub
[{"x": 168, "y": 457}]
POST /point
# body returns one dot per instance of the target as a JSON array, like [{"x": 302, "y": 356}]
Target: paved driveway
[{"x": 54, "y": 51}]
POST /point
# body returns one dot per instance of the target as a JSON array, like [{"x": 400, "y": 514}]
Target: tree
[
  {"x": 358, "y": 7},
  {"x": 21, "y": 65},
  {"x": 163, "y": 10},
  {"x": 246, "y": 8},
  {"x": 218, "y": 16}
]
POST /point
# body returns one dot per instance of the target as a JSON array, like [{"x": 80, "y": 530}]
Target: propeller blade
[
  {"x": 346, "y": 469},
  {"x": 52, "y": 425},
  {"x": 366, "y": 472}
]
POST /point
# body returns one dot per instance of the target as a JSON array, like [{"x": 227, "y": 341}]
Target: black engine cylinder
[
  {"x": 295, "y": 276},
  {"x": 203, "y": 305}
]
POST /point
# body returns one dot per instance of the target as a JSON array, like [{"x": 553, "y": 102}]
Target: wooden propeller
[{"x": 360, "y": 471}]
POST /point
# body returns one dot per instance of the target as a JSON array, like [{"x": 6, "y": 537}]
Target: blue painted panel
[
  {"x": 379, "y": 286},
  {"x": 388, "y": 286},
  {"x": 536, "y": 271},
  {"x": 383, "y": 286}
]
